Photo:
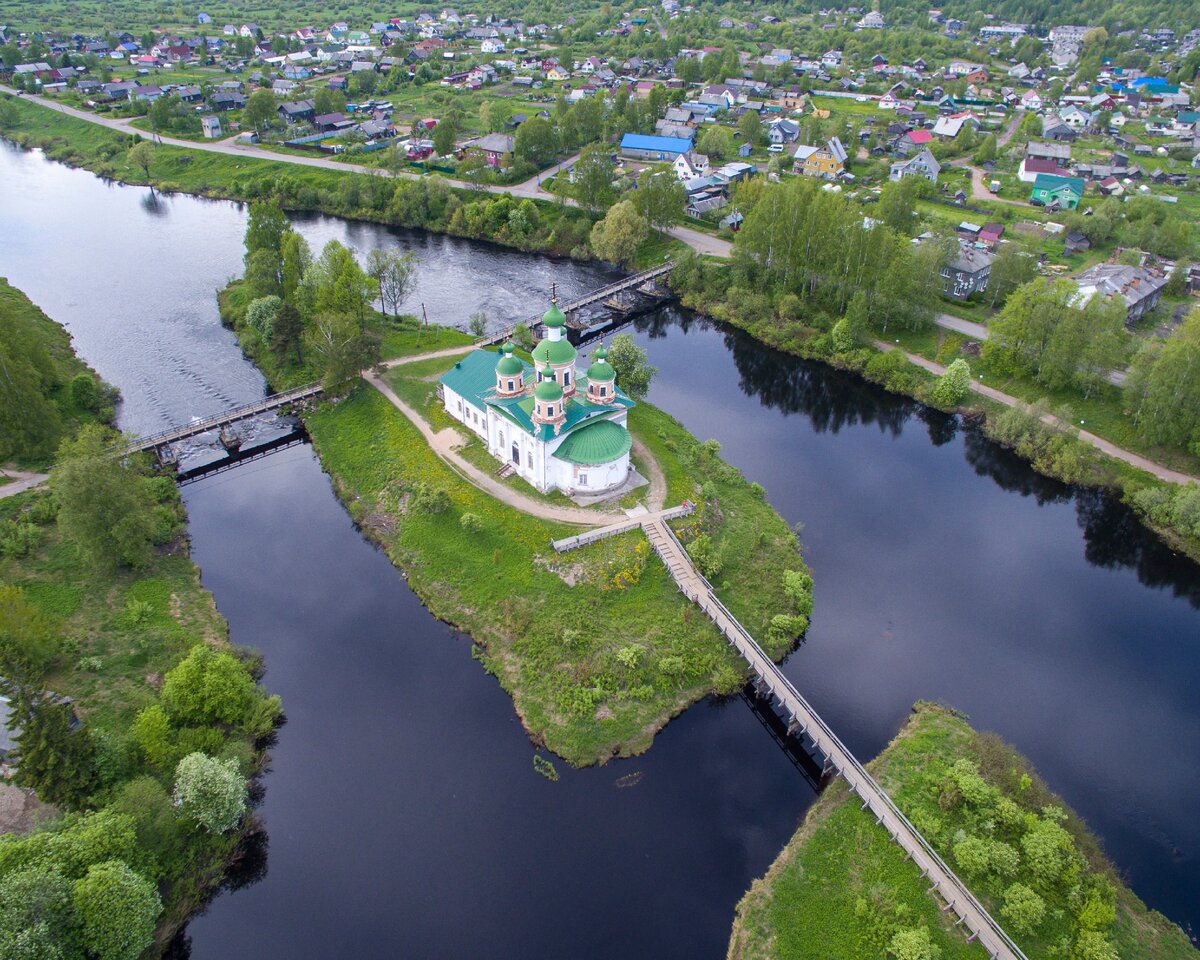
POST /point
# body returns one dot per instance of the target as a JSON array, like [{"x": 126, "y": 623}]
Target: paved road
[
  {"x": 22, "y": 481},
  {"x": 1104, "y": 446},
  {"x": 959, "y": 325},
  {"x": 532, "y": 188}
]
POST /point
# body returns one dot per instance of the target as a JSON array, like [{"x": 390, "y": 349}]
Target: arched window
[
  {"x": 566, "y": 378},
  {"x": 510, "y": 385},
  {"x": 603, "y": 391}
]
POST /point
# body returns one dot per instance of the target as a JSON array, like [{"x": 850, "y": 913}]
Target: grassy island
[
  {"x": 842, "y": 889},
  {"x": 597, "y": 647},
  {"x": 134, "y": 725}
]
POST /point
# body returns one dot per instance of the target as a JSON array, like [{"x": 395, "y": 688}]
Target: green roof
[
  {"x": 554, "y": 317},
  {"x": 509, "y": 365},
  {"x": 472, "y": 376},
  {"x": 600, "y": 442},
  {"x": 554, "y": 351},
  {"x": 548, "y": 390},
  {"x": 600, "y": 370}
]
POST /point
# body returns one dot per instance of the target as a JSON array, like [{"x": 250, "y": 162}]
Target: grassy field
[
  {"x": 597, "y": 647},
  {"x": 841, "y": 890},
  {"x": 125, "y": 628}
]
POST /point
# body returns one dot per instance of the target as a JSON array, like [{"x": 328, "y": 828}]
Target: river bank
[
  {"x": 1046, "y": 442},
  {"x": 122, "y": 644},
  {"x": 526, "y": 224},
  {"x": 49, "y": 391},
  {"x": 1031, "y": 860},
  {"x": 431, "y": 204}
]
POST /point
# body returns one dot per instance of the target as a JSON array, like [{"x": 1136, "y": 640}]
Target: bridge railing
[
  {"x": 240, "y": 413},
  {"x": 769, "y": 671},
  {"x": 488, "y": 339},
  {"x": 613, "y": 529}
]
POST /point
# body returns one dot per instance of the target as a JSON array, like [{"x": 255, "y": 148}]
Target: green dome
[
  {"x": 554, "y": 317},
  {"x": 548, "y": 391},
  {"x": 554, "y": 351},
  {"x": 601, "y": 353},
  {"x": 509, "y": 365},
  {"x": 600, "y": 442},
  {"x": 600, "y": 370}
]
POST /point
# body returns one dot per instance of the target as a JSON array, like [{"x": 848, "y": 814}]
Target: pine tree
[{"x": 56, "y": 761}]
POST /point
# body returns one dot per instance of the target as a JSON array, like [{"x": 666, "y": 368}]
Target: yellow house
[
  {"x": 827, "y": 162},
  {"x": 558, "y": 73}
]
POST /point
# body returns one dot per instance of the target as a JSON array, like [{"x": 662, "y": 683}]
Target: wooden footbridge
[
  {"x": 771, "y": 683},
  {"x": 596, "y": 296},
  {"x": 196, "y": 428}
]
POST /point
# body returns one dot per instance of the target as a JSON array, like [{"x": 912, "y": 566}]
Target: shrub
[
  {"x": 210, "y": 792},
  {"x": 954, "y": 385}
]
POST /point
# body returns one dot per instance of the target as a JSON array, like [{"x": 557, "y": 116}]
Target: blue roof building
[{"x": 639, "y": 147}]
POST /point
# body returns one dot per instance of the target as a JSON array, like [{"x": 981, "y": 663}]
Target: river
[{"x": 403, "y": 812}]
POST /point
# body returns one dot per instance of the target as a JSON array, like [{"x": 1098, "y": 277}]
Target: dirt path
[
  {"x": 1104, "y": 446},
  {"x": 657, "y": 495},
  {"x": 21, "y": 482}
]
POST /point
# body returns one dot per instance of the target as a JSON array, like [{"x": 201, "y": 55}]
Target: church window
[
  {"x": 510, "y": 385},
  {"x": 604, "y": 391},
  {"x": 566, "y": 378}
]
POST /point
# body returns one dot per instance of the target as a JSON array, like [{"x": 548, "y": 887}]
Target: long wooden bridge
[
  {"x": 219, "y": 422},
  {"x": 596, "y": 296},
  {"x": 802, "y": 720}
]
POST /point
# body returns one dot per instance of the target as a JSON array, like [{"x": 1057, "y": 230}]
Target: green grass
[
  {"x": 842, "y": 889},
  {"x": 121, "y": 655},
  {"x": 595, "y": 669}
]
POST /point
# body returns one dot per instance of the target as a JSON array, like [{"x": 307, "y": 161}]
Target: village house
[
  {"x": 968, "y": 272},
  {"x": 827, "y": 161},
  {"x": 1138, "y": 288},
  {"x": 690, "y": 165},
  {"x": 1053, "y": 128},
  {"x": 495, "y": 148},
  {"x": 924, "y": 164},
  {"x": 912, "y": 141},
  {"x": 636, "y": 146},
  {"x": 1050, "y": 190},
  {"x": 210, "y": 126},
  {"x": 549, "y": 424}
]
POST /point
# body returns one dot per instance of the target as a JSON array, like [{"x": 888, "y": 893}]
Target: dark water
[{"x": 403, "y": 812}]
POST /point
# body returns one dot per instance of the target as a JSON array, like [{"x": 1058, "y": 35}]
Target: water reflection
[{"x": 832, "y": 400}]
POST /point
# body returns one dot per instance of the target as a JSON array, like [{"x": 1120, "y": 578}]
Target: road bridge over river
[
  {"x": 596, "y": 296},
  {"x": 223, "y": 420},
  {"x": 770, "y": 682}
]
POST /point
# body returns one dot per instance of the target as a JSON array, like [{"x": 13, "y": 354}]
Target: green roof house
[
  {"x": 1050, "y": 190},
  {"x": 547, "y": 423}
]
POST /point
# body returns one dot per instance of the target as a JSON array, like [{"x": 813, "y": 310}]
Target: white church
[{"x": 554, "y": 427}]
